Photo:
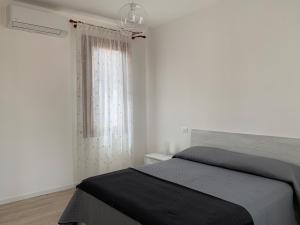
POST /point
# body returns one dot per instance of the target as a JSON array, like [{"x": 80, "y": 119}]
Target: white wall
[
  {"x": 35, "y": 113},
  {"x": 139, "y": 100},
  {"x": 231, "y": 67},
  {"x": 37, "y": 110}
]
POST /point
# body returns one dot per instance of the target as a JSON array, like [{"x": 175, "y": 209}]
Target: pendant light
[{"x": 133, "y": 17}]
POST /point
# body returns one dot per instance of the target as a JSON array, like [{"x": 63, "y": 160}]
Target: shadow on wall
[{"x": 2, "y": 14}]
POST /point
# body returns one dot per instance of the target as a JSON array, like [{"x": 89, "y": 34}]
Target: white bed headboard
[{"x": 285, "y": 149}]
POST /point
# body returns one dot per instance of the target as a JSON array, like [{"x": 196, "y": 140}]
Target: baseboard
[{"x": 35, "y": 194}]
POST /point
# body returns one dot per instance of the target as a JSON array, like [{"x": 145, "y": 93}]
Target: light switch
[{"x": 185, "y": 131}]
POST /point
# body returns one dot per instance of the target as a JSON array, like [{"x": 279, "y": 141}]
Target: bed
[{"x": 225, "y": 178}]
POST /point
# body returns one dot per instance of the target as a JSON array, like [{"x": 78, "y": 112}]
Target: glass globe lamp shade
[{"x": 133, "y": 17}]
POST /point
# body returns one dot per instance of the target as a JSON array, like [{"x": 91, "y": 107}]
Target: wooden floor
[{"x": 43, "y": 210}]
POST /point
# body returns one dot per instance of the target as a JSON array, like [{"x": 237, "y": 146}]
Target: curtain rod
[{"x": 134, "y": 35}]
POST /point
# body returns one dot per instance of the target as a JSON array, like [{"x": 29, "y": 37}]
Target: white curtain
[{"x": 104, "y": 101}]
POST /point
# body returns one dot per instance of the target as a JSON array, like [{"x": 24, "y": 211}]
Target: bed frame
[{"x": 284, "y": 149}]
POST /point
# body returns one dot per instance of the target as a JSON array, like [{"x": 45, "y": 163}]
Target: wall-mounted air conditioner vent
[{"x": 37, "y": 21}]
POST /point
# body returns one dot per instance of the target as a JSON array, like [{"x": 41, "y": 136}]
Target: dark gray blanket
[
  {"x": 153, "y": 201},
  {"x": 261, "y": 166}
]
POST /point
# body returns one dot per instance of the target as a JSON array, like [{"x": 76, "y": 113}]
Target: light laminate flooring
[{"x": 42, "y": 210}]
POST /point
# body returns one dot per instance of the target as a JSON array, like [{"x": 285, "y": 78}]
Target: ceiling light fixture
[{"x": 133, "y": 17}]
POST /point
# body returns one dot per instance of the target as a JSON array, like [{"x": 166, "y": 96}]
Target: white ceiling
[{"x": 159, "y": 11}]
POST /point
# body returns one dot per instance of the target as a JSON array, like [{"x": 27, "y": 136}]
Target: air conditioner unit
[{"x": 36, "y": 20}]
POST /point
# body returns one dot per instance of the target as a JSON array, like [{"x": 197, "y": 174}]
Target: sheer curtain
[{"x": 104, "y": 101}]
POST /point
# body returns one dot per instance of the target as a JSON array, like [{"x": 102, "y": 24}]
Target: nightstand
[{"x": 155, "y": 158}]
